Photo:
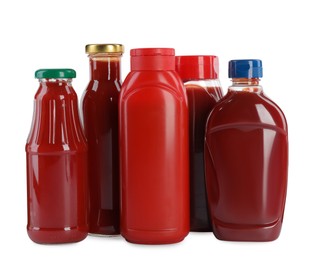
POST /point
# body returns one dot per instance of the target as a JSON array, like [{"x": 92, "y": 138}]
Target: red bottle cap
[
  {"x": 153, "y": 59},
  {"x": 197, "y": 67}
]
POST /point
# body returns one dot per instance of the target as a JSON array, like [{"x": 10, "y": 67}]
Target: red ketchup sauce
[
  {"x": 100, "y": 117},
  {"x": 56, "y": 163}
]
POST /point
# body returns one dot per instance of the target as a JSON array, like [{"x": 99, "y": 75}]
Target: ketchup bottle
[
  {"x": 200, "y": 77},
  {"x": 100, "y": 116},
  {"x": 246, "y": 159},
  {"x": 56, "y": 153},
  {"x": 154, "y": 150}
]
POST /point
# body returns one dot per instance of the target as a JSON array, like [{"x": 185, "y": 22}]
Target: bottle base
[
  {"x": 200, "y": 226},
  {"x": 107, "y": 231},
  {"x": 102, "y": 235},
  {"x": 251, "y": 233},
  {"x": 153, "y": 237},
  {"x": 201, "y": 230},
  {"x": 56, "y": 236}
]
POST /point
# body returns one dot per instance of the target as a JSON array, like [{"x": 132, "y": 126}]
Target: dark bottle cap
[{"x": 245, "y": 69}]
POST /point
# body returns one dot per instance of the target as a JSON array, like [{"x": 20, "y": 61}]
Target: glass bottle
[
  {"x": 200, "y": 77},
  {"x": 246, "y": 159},
  {"x": 100, "y": 118},
  {"x": 56, "y": 153}
]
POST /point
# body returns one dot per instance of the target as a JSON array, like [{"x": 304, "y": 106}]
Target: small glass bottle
[
  {"x": 246, "y": 159},
  {"x": 100, "y": 117},
  {"x": 56, "y": 153},
  {"x": 203, "y": 89}
]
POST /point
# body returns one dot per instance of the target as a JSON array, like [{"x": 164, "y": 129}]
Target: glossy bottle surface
[
  {"x": 246, "y": 155},
  {"x": 56, "y": 166},
  {"x": 154, "y": 157},
  {"x": 100, "y": 117},
  {"x": 201, "y": 100},
  {"x": 200, "y": 76}
]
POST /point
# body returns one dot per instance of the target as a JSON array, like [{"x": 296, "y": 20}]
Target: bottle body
[
  {"x": 202, "y": 96},
  {"x": 154, "y": 157},
  {"x": 56, "y": 154},
  {"x": 246, "y": 155},
  {"x": 100, "y": 117},
  {"x": 200, "y": 76}
]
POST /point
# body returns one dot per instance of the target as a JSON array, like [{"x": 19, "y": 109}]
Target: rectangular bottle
[{"x": 154, "y": 162}]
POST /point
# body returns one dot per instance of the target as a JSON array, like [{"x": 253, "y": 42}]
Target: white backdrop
[{"x": 38, "y": 34}]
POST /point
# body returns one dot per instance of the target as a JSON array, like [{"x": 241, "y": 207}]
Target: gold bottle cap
[{"x": 104, "y": 48}]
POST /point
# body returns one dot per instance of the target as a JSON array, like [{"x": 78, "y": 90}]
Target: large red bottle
[
  {"x": 56, "y": 162},
  {"x": 154, "y": 165},
  {"x": 246, "y": 159},
  {"x": 203, "y": 89},
  {"x": 100, "y": 117}
]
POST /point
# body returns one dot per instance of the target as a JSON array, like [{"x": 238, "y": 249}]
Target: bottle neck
[
  {"x": 105, "y": 67},
  {"x": 57, "y": 83},
  {"x": 155, "y": 63},
  {"x": 203, "y": 82},
  {"x": 246, "y": 85}
]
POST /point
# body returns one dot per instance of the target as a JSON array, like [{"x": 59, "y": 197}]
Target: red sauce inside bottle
[
  {"x": 56, "y": 167},
  {"x": 246, "y": 166},
  {"x": 100, "y": 114},
  {"x": 201, "y": 101}
]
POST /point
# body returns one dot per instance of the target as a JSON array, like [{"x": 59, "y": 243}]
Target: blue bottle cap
[{"x": 245, "y": 69}]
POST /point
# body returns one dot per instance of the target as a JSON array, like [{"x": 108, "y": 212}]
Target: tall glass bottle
[
  {"x": 203, "y": 89},
  {"x": 100, "y": 117},
  {"x": 246, "y": 159},
  {"x": 56, "y": 153}
]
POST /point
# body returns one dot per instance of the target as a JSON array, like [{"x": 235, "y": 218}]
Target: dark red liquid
[
  {"x": 201, "y": 101},
  {"x": 100, "y": 114},
  {"x": 56, "y": 168},
  {"x": 246, "y": 167},
  {"x": 154, "y": 158}
]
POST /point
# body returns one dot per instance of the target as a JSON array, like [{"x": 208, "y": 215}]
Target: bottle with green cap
[
  {"x": 56, "y": 156},
  {"x": 246, "y": 158}
]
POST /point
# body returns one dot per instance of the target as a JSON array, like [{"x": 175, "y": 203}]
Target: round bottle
[
  {"x": 56, "y": 153},
  {"x": 246, "y": 159},
  {"x": 203, "y": 89},
  {"x": 100, "y": 119}
]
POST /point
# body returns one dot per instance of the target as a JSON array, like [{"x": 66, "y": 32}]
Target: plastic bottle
[
  {"x": 246, "y": 159},
  {"x": 200, "y": 77},
  {"x": 154, "y": 150},
  {"x": 100, "y": 117},
  {"x": 56, "y": 162}
]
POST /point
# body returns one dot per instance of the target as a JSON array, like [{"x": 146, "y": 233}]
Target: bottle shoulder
[
  {"x": 51, "y": 149},
  {"x": 102, "y": 85},
  {"x": 150, "y": 78},
  {"x": 138, "y": 81},
  {"x": 98, "y": 90},
  {"x": 56, "y": 126},
  {"x": 247, "y": 108}
]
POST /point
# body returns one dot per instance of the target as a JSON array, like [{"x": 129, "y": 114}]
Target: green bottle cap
[{"x": 55, "y": 74}]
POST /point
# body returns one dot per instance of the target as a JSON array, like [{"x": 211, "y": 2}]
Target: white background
[{"x": 39, "y": 34}]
